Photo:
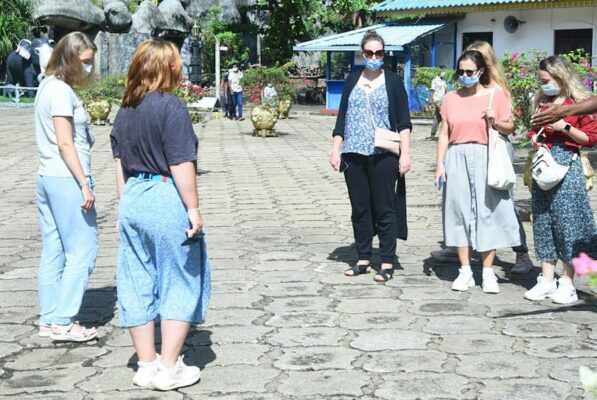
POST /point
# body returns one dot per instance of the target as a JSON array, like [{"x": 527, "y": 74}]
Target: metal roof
[
  {"x": 395, "y": 5},
  {"x": 395, "y": 37}
]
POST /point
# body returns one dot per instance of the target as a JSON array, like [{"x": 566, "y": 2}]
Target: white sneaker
[
  {"x": 490, "y": 282},
  {"x": 541, "y": 290},
  {"x": 464, "y": 281},
  {"x": 146, "y": 373},
  {"x": 523, "y": 264},
  {"x": 177, "y": 376},
  {"x": 565, "y": 293},
  {"x": 447, "y": 254}
]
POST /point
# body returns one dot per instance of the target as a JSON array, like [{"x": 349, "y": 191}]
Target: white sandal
[
  {"x": 45, "y": 330},
  {"x": 64, "y": 333}
]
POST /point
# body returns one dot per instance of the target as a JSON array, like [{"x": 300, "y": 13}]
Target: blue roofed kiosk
[{"x": 397, "y": 39}]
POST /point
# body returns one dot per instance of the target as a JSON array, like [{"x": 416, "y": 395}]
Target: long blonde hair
[
  {"x": 156, "y": 66},
  {"x": 496, "y": 72},
  {"x": 568, "y": 79},
  {"x": 65, "y": 63}
]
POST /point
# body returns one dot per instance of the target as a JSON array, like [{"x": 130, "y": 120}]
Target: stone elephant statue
[{"x": 27, "y": 64}]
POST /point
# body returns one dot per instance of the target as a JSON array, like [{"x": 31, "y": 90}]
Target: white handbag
[
  {"x": 500, "y": 171},
  {"x": 546, "y": 171},
  {"x": 384, "y": 138}
]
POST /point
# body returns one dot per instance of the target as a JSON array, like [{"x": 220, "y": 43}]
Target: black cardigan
[
  {"x": 398, "y": 112},
  {"x": 399, "y": 116}
]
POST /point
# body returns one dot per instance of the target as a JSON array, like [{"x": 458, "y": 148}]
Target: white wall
[{"x": 536, "y": 33}]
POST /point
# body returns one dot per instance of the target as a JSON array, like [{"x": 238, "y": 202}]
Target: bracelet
[{"x": 85, "y": 183}]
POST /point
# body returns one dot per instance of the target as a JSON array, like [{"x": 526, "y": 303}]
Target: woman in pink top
[{"x": 476, "y": 216}]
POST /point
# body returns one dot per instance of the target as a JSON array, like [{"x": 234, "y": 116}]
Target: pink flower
[
  {"x": 583, "y": 264},
  {"x": 520, "y": 74},
  {"x": 515, "y": 55}
]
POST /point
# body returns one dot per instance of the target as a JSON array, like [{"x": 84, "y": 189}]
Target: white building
[{"x": 556, "y": 26}]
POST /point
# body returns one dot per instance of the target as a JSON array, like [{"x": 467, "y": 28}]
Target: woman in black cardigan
[{"x": 373, "y": 97}]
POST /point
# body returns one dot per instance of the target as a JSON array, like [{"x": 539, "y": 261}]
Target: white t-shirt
[
  {"x": 55, "y": 98},
  {"x": 234, "y": 78},
  {"x": 439, "y": 87}
]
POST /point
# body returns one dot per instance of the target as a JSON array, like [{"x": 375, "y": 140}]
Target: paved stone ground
[{"x": 284, "y": 322}]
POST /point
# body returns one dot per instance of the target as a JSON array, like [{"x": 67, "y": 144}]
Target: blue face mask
[
  {"x": 550, "y": 90},
  {"x": 468, "y": 81},
  {"x": 372, "y": 65}
]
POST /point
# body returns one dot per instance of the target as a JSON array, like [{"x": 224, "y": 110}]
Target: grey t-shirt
[
  {"x": 55, "y": 98},
  {"x": 154, "y": 135}
]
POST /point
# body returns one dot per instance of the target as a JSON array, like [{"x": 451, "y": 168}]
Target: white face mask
[
  {"x": 235, "y": 69},
  {"x": 87, "y": 68}
]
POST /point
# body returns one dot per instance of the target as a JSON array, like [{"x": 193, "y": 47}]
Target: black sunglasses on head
[
  {"x": 370, "y": 53},
  {"x": 468, "y": 72}
]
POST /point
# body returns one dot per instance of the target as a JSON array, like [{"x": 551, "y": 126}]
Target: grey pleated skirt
[{"x": 475, "y": 214}]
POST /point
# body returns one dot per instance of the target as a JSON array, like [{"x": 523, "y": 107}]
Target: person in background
[
  {"x": 563, "y": 222},
  {"x": 523, "y": 263},
  {"x": 439, "y": 88},
  {"x": 224, "y": 95},
  {"x": 270, "y": 95},
  {"x": 372, "y": 97},
  {"x": 235, "y": 76},
  {"x": 476, "y": 216},
  {"x": 65, "y": 197},
  {"x": 163, "y": 273}
]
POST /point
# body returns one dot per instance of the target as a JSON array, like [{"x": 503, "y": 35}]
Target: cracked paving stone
[
  {"x": 316, "y": 358},
  {"x": 61, "y": 380},
  {"x": 45, "y": 358},
  {"x": 15, "y": 315},
  {"x": 10, "y": 332},
  {"x": 117, "y": 357},
  {"x": 73, "y": 395},
  {"x": 376, "y": 320},
  {"x": 407, "y": 361},
  {"x": 539, "y": 328},
  {"x": 323, "y": 383},
  {"x": 9, "y": 348},
  {"x": 233, "y": 300},
  {"x": 115, "y": 378},
  {"x": 289, "y": 289},
  {"x": 593, "y": 333},
  {"x": 232, "y": 317},
  {"x": 281, "y": 256},
  {"x": 520, "y": 310},
  {"x": 458, "y": 324},
  {"x": 227, "y": 335},
  {"x": 232, "y": 287},
  {"x": 232, "y": 379},
  {"x": 227, "y": 354},
  {"x": 422, "y": 386},
  {"x": 566, "y": 370},
  {"x": 359, "y": 306},
  {"x": 302, "y": 319},
  {"x": 560, "y": 347},
  {"x": 139, "y": 395},
  {"x": 446, "y": 307},
  {"x": 524, "y": 389},
  {"x": 579, "y": 314},
  {"x": 430, "y": 293},
  {"x": 300, "y": 303},
  {"x": 292, "y": 337},
  {"x": 261, "y": 266},
  {"x": 476, "y": 343},
  {"x": 498, "y": 365},
  {"x": 390, "y": 339},
  {"x": 365, "y": 291},
  {"x": 248, "y": 396}
]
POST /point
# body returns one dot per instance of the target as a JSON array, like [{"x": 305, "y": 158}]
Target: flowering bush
[
  {"x": 521, "y": 71},
  {"x": 189, "y": 93},
  {"x": 256, "y": 77},
  {"x": 585, "y": 265}
]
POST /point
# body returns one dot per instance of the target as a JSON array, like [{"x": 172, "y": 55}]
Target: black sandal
[
  {"x": 384, "y": 274},
  {"x": 358, "y": 270}
]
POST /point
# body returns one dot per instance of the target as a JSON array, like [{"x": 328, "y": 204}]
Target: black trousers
[{"x": 371, "y": 182}]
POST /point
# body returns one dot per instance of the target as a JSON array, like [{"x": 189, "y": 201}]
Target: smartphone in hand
[{"x": 440, "y": 183}]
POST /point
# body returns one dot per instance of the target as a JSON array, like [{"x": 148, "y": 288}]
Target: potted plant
[
  {"x": 190, "y": 93},
  {"x": 99, "y": 96}
]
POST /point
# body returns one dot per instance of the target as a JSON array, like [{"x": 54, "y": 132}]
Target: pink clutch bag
[{"x": 387, "y": 140}]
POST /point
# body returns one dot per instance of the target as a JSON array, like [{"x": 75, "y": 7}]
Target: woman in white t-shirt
[{"x": 65, "y": 196}]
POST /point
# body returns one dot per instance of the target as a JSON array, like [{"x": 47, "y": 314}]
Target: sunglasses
[
  {"x": 468, "y": 72},
  {"x": 370, "y": 53}
]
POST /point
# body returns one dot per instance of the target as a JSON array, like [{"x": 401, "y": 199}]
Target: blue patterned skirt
[{"x": 563, "y": 222}]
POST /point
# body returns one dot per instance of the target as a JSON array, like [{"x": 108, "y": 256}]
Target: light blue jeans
[
  {"x": 238, "y": 102},
  {"x": 70, "y": 245}
]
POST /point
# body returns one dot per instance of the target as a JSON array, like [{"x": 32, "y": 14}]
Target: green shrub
[
  {"x": 424, "y": 75},
  {"x": 256, "y": 77},
  {"x": 110, "y": 89}
]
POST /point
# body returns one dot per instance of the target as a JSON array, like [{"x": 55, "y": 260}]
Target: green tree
[{"x": 16, "y": 21}]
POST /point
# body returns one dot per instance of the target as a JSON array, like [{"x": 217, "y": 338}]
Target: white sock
[
  {"x": 466, "y": 268},
  {"x": 488, "y": 271}
]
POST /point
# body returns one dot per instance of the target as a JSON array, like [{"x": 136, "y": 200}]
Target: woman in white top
[{"x": 65, "y": 196}]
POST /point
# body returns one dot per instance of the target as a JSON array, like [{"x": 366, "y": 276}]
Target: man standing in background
[
  {"x": 439, "y": 87},
  {"x": 234, "y": 77}
]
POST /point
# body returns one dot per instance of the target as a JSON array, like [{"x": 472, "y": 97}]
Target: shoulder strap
[{"x": 491, "y": 97}]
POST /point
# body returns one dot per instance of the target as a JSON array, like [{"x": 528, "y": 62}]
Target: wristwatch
[{"x": 567, "y": 128}]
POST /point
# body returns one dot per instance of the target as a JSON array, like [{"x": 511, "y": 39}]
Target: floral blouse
[{"x": 360, "y": 128}]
